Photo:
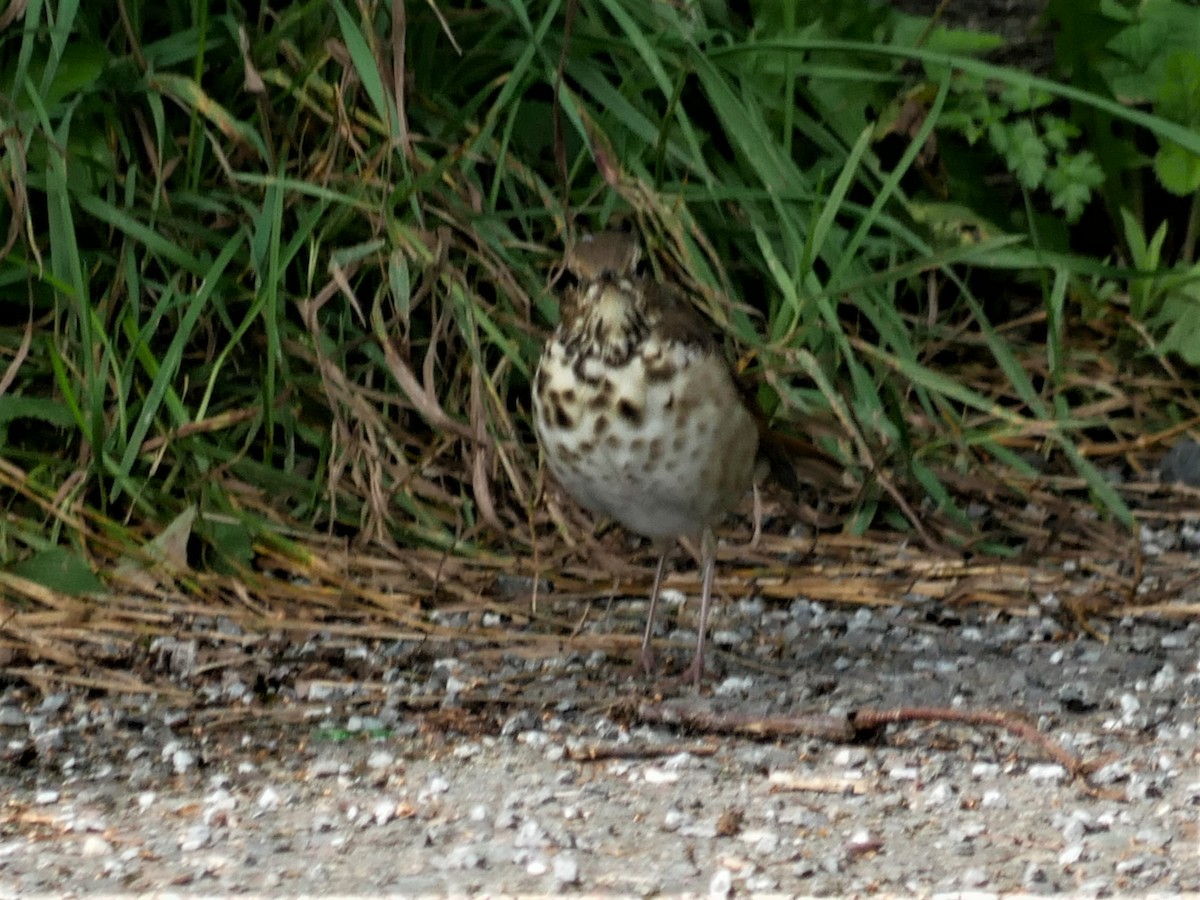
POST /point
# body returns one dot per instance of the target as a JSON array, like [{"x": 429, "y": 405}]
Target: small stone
[
  {"x": 464, "y": 857},
  {"x": 940, "y": 793},
  {"x": 194, "y": 838},
  {"x": 973, "y": 878},
  {"x": 565, "y": 869},
  {"x": 182, "y": 761},
  {"x": 1181, "y": 463},
  {"x": 268, "y": 798},
  {"x": 655, "y": 775},
  {"x": 380, "y": 759},
  {"x": 734, "y": 686},
  {"x": 721, "y": 884},
  {"x": 53, "y": 703},
  {"x": 763, "y": 841},
  {"x": 537, "y": 867},
  {"x": 1070, "y": 854},
  {"x": 1153, "y": 837},
  {"x": 94, "y": 846},
  {"x": 1047, "y": 772},
  {"x": 530, "y": 834},
  {"x": 325, "y": 767},
  {"x": 383, "y": 812},
  {"x": 1164, "y": 678},
  {"x": 1078, "y": 697},
  {"x": 437, "y": 785},
  {"x": 850, "y": 757},
  {"x": 1131, "y": 866},
  {"x": 534, "y": 739},
  {"x": 993, "y": 799},
  {"x": 1176, "y": 640},
  {"x": 1115, "y": 771},
  {"x": 1073, "y": 831},
  {"x": 1129, "y": 704}
]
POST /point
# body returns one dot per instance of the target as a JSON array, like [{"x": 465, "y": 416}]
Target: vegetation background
[{"x": 274, "y": 278}]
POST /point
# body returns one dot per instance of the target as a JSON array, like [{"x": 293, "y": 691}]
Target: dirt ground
[{"x": 365, "y": 767}]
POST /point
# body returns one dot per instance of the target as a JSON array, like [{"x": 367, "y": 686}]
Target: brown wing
[{"x": 676, "y": 319}]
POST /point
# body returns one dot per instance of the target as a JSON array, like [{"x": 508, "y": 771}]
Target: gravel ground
[{"x": 338, "y": 767}]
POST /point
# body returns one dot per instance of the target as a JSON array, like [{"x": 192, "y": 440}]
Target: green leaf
[
  {"x": 1163, "y": 30},
  {"x": 49, "y": 411},
  {"x": 1177, "y": 170},
  {"x": 1182, "y": 309},
  {"x": 1057, "y": 132},
  {"x": 1025, "y": 152},
  {"x": 1023, "y": 98},
  {"x": 1071, "y": 180},
  {"x": 231, "y": 538},
  {"x": 60, "y": 569},
  {"x": 1179, "y": 92}
]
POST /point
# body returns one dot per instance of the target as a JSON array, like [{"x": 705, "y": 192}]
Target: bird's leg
[
  {"x": 758, "y": 517},
  {"x": 647, "y": 652},
  {"x": 708, "y": 559}
]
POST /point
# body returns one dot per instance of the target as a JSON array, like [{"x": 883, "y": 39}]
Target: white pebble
[
  {"x": 437, "y": 785},
  {"x": 734, "y": 686},
  {"x": 1164, "y": 678},
  {"x": 672, "y": 819},
  {"x": 993, "y": 799},
  {"x": 1070, "y": 855},
  {"x": 938, "y": 794},
  {"x": 94, "y": 846},
  {"x": 973, "y": 878},
  {"x": 1130, "y": 704},
  {"x": 218, "y": 807},
  {"x": 655, "y": 775},
  {"x": 721, "y": 884},
  {"x": 679, "y": 761},
  {"x": 383, "y": 812},
  {"x": 530, "y": 834},
  {"x": 182, "y": 760},
  {"x": 194, "y": 838},
  {"x": 1047, "y": 772},
  {"x": 269, "y": 798},
  {"x": 566, "y": 869},
  {"x": 763, "y": 842},
  {"x": 380, "y": 759}
]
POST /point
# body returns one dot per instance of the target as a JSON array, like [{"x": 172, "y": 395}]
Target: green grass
[{"x": 263, "y": 284}]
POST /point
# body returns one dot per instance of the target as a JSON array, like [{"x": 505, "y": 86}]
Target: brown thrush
[{"x": 637, "y": 413}]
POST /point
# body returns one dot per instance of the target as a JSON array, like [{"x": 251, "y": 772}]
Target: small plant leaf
[
  {"x": 1071, "y": 181},
  {"x": 1182, "y": 309},
  {"x": 60, "y": 569},
  {"x": 1177, "y": 170},
  {"x": 1024, "y": 151}
]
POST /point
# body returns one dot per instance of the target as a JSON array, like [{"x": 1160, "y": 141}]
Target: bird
[{"x": 637, "y": 413}]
